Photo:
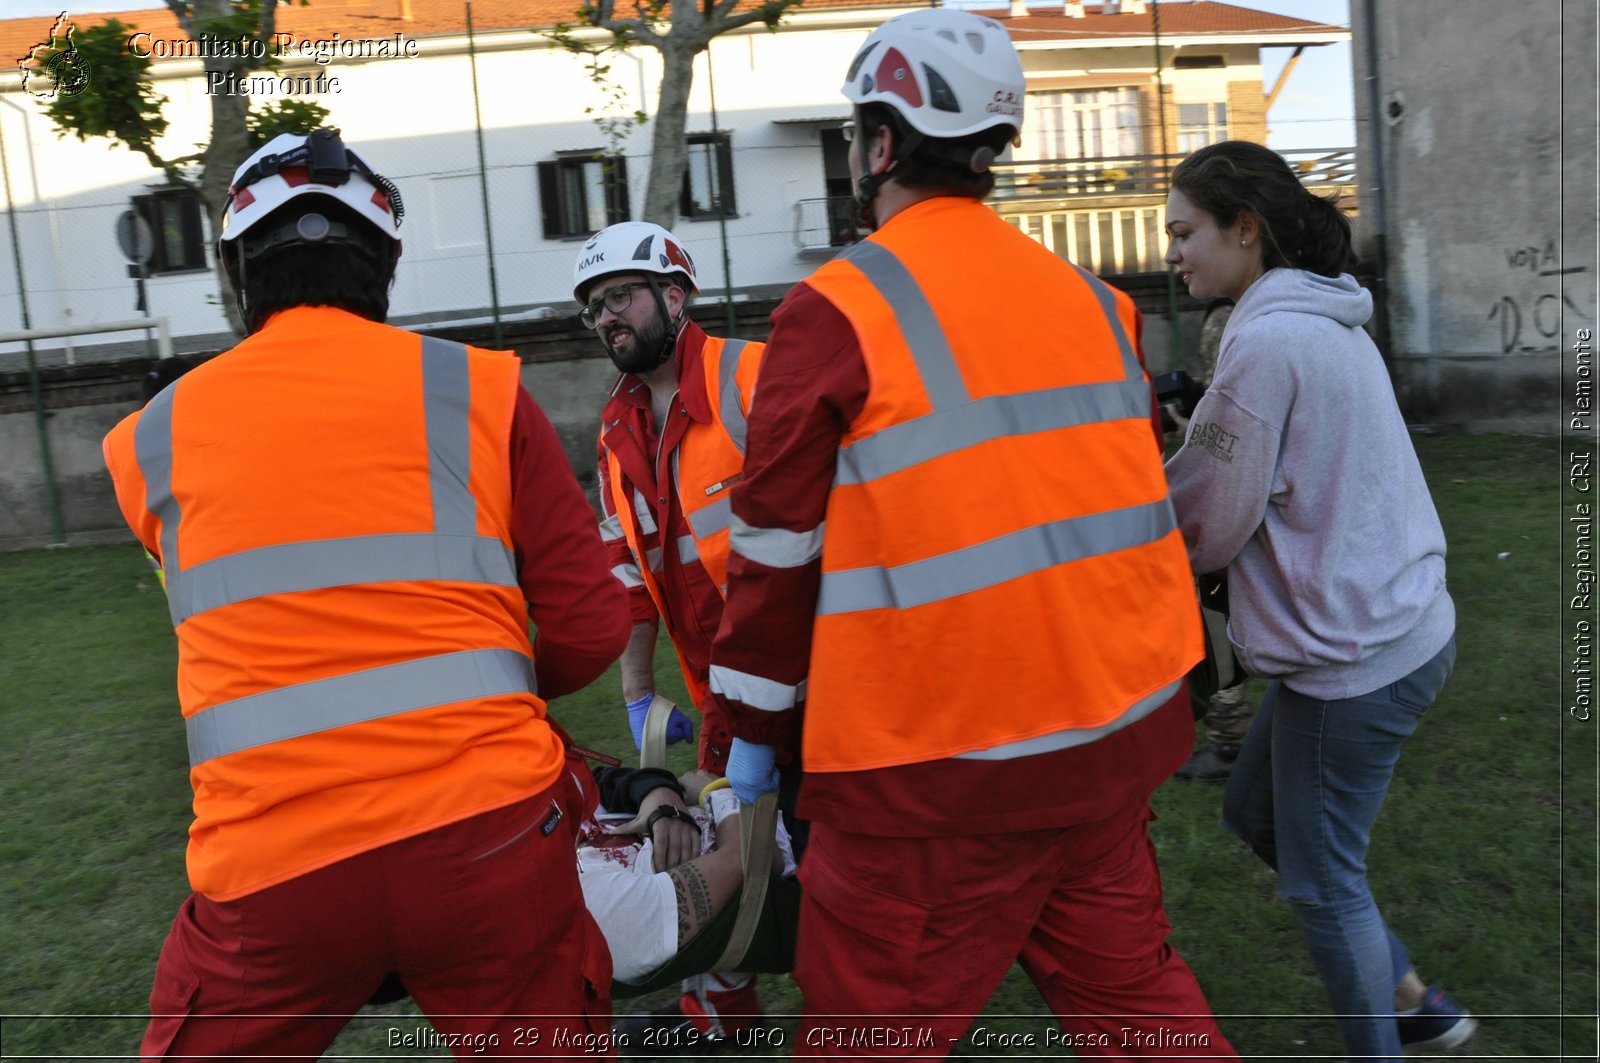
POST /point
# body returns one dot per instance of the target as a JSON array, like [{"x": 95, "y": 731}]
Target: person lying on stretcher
[{"x": 653, "y": 879}]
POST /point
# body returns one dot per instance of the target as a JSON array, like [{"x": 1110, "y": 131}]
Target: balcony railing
[
  {"x": 1119, "y": 232},
  {"x": 1108, "y": 215},
  {"x": 1144, "y": 175},
  {"x": 824, "y": 224}
]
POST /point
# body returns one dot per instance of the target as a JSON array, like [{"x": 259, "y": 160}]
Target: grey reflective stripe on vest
[
  {"x": 688, "y": 549},
  {"x": 1066, "y": 739},
  {"x": 707, "y": 520},
  {"x": 728, "y": 407},
  {"x": 941, "y": 376},
  {"x": 994, "y": 561},
  {"x": 923, "y": 439},
  {"x": 323, "y": 704},
  {"x": 453, "y": 551},
  {"x": 152, "y": 449},
  {"x": 641, "y": 506},
  {"x": 447, "y": 400},
  {"x": 322, "y": 563},
  {"x": 958, "y": 423},
  {"x": 1108, "y": 306}
]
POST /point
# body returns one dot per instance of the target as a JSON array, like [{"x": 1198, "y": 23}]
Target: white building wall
[
  {"x": 413, "y": 121},
  {"x": 1484, "y": 118}
]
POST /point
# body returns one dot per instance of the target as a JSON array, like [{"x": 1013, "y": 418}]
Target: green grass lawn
[{"x": 1484, "y": 859}]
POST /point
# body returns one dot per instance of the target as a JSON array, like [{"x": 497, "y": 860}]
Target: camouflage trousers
[{"x": 1228, "y": 716}]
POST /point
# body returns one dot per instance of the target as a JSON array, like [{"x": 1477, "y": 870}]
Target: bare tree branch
[
  {"x": 171, "y": 168},
  {"x": 769, "y": 13},
  {"x": 634, "y": 29},
  {"x": 679, "y": 34}
]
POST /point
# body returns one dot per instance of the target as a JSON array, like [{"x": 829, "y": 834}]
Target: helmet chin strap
[
  {"x": 669, "y": 341},
  {"x": 906, "y": 140},
  {"x": 866, "y": 192},
  {"x": 239, "y": 299}
]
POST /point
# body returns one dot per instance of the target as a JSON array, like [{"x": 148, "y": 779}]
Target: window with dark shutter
[
  {"x": 582, "y": 192},
  {"x": 173, "y": 215},
  {"x": 708, "y": 179}
]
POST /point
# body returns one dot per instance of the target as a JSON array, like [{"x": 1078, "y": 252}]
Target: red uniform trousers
[
  {"x": 914, "y": 934},
  {"x": 482, "y": 919}
]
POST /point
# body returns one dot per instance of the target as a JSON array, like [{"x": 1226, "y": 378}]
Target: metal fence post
[
  {"x": 483, "y": 180},
  {"x": 52, "y": 491}
]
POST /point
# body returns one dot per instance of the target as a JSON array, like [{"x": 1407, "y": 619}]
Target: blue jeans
[{"x": 1304, "y": 794}]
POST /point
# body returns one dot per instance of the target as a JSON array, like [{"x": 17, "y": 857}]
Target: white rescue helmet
[
  {"x": 631, "y": 247},
  {"x": 948, "y": 73},
  {"x": 318, "y": 164}
]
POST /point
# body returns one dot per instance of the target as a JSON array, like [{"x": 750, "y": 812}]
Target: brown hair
[
  {"x": 1299, "y": 229},
  {"x": 941, "y": 164},
  {"x": 351, "y": 276}
]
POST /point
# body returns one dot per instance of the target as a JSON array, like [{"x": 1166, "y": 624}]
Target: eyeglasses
[
  {"x": 616, "y": 300},
  {"x": 848, "y": 131}
]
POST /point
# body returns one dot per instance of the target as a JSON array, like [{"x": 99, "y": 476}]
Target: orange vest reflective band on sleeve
[
  {"x": 1001, "y": 570},
  {"x": 705, "y": 466},
  {"x": 354, "y": 663}
]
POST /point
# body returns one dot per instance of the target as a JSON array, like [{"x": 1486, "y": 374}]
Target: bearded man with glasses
[{"x": 671, "y": 448}]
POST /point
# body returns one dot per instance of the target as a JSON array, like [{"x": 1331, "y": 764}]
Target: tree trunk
[
  {"x": 230, "y": 138},
  {"x": 229, "y": 147},
  {"x": 669, "y": 156}
]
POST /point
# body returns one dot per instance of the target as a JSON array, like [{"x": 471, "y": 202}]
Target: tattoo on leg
[{"x": 694, "y": 900}]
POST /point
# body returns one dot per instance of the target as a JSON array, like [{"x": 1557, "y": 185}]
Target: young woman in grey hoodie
[{"x": 1298, "y": 478}]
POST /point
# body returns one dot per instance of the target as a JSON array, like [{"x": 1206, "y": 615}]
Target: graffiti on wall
[{"x": 1531, "y": 321}]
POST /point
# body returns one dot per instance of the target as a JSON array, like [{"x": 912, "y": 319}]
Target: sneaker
[
  {"x": 1211, "y": 764},
  {"x": 1437, "y": 1025}
]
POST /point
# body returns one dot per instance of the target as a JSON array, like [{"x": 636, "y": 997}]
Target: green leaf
[
  {"x": 117, "y": 100},
  {"x": 284, "y": 116}
]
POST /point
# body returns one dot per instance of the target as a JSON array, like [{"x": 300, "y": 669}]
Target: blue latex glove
[
  {"x": 679, "y": 727},
  {"x": 752, "y": 770}
]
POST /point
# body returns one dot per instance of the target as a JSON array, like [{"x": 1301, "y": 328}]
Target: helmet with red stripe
[
  {"x": 632, "y": 247},
  {"x": 948, "y": 73},
  {"x": 290, "y": 167}
]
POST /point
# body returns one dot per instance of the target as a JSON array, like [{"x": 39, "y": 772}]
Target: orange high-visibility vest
[
  {"x": 705, "y": 466},
  {"x": 1002, "y": 574},
  {"x": 331, "y": 504}
]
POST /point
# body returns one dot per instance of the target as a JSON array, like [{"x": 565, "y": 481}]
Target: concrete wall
[{"x": 1478, "y": 168}]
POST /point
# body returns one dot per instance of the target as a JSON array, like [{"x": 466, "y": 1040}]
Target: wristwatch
[{"x": 664, "y": 812}]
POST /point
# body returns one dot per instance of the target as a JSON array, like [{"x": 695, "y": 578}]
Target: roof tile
[{"x": 348, "y": 19}]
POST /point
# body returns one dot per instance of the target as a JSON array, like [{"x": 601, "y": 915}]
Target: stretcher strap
[
  {"x": 653, "y": 747},
  {"x": 758, "y": 824},
  {"x": 758, "y": 838}
]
